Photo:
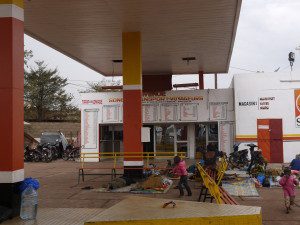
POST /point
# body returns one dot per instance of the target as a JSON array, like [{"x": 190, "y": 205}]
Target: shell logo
[{"x": 298, "y": 103}]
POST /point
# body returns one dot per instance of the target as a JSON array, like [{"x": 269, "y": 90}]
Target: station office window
[{"x": 111, "y": 138}]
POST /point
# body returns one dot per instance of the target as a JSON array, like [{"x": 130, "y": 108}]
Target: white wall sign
[
  {"x": 90, "y": 124},
  {"x": 169, "y": 107},
  {"x": 145, "y": 134},
  {"x": 218, "y": 110},
  {"x": 188, "y": 112},
  {"x": 150, "y": 113},
  {"x": 226, "y": 137},
  {"x": 263, "y": 127},
  {"x": 110, "y": 113},
  {"x": 168, "y": 112}
]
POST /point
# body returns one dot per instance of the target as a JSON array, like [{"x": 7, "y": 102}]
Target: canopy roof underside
[{"x": 90, "y": 32}]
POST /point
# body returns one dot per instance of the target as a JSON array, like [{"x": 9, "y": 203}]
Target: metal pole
[{"x": 216, "y": 81}]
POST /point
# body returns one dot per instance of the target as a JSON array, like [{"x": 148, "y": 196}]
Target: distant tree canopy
[
  {"x": 27, "y": 56},
  {"x": 98, "y": 86},
  {"x": 45, "y": 98}
]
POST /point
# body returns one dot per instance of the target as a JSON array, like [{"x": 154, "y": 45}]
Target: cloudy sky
[{"x": 268, "y": 30}]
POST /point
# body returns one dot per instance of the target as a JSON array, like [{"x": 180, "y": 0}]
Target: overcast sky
[{"x": 267, "y": 31}]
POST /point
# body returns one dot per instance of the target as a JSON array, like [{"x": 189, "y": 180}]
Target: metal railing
[{"x": 115, "y": 156}]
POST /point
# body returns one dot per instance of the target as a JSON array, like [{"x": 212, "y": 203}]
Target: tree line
[{"x": 45, "y": 97}]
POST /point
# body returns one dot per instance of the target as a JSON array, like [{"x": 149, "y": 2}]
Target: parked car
[{"x": 56, "y": 139}]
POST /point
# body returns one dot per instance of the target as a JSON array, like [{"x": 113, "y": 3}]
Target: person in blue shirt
[{"x": 295, "y": 164}]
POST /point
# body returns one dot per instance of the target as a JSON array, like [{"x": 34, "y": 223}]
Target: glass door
[
  {"x": 213, "y": 135},
  {"x": 164, "y": 138},
  {"x": 206, "y": 133},
  {"x": 182, "y": 139}
]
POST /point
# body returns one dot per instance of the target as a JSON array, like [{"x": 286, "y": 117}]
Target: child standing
[
  {"x": 288, "y": 183},
  {"x": 180, "y": 170}
]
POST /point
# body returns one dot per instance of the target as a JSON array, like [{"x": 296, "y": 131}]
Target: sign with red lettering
[
  {"x": 297, "y": 107},
  {"x": 92, "y": 102}
]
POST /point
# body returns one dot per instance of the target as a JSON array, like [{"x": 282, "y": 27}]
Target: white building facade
[
  {"x": 179, "y": 121},
  {"x": 260, "y": 108}
]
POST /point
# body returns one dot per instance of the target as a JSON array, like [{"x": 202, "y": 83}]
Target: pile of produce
[{"x": 155, "y": 182}]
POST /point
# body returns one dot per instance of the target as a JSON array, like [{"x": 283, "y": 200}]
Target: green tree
[
  {"x": 44, "y": 95},
  {"x": 27, "y": 56},
  {"x": 98, "y": 86}
]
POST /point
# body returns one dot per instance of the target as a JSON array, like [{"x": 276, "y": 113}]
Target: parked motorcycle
[
  {"x": 43, "y": 153},
  {"x": 238, "y": 158},
  {"x": 28, "y": 154},
  {"x": 55, "y": 154},
  {"x": 257, "y": 162},
  {"x": 71, "y": 153}
]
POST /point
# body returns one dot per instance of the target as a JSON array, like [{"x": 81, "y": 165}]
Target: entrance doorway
[
  {"x": 182, "y": 139},
  {"x": 206, "y": 133},
  {"x": 164, "y": 138},
  {"x": 111, "y": 138},
  {"x": 171, "y": 138}
]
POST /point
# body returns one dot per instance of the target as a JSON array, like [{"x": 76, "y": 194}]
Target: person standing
[
  {"x": 180, "y": 170},
  {"x": 295, "y": 164},
  {"x": 288, "y": 183}
]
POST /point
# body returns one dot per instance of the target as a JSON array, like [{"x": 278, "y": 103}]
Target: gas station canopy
[{"x": 90, "y": 32}]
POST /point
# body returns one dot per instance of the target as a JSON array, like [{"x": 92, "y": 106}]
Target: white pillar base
[{"x": 9, "y": 177}]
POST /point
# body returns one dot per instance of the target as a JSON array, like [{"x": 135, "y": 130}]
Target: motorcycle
[
  {"x": 238, "y": 158},
  {"x": 28, "y": 154},
  {"x": 257, "y": 162},
  {"x": 43, "y": 153},
  {"x": 53, "y": 150},
  {"x": 71, "y": 152}
]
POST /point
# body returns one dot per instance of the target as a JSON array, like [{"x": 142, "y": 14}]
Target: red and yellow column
[
  {"x": 132, "y": 102},
  {"x": 11, "y": 101}
]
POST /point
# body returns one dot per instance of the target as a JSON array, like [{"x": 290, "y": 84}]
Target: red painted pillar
[
  {"x": 201, "y": 80},
  {"x": 132, "y": 104},
  {"x": 11, "y": 101}
]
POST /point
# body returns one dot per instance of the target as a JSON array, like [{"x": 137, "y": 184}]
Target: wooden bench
[
  {"x": 115, "y": 156},
  {"x": 82, "y": 172}
]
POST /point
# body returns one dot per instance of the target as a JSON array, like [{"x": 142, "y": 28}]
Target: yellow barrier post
[{"x": 210, "y": 184}]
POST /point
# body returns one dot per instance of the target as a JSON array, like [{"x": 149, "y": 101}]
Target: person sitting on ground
[
  {"x": 295, "y": 164},
  {"x": 288, "y": 183},
  {"x": 180, "y": 170}
]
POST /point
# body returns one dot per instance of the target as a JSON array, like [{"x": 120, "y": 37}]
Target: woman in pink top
[
  {"x": 288, "y": 183},
  {"x": 180, "y": 170}
]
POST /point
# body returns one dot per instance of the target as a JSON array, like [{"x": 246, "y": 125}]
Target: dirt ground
[{"x": 59, "y": 189}]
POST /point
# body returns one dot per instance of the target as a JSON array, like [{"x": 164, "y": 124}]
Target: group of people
[
  {"x": 288, "y": 181},
  {"x": 210, "y": 157}
]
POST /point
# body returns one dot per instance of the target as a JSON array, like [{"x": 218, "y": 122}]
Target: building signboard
[
  {"x": 218, "y": 111},
  {"x": 150, "y": 113},
  {"x": 90, "y": 117},
  {"x": 188, "y": 112},
  {"x": 297, "y": 107},
  {"x": 168, "y": 112},
  {"x": 169, "y": 106}
]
